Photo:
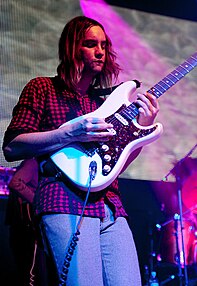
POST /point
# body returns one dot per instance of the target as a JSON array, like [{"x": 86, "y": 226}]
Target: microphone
[{"x": 92, "y": 170}]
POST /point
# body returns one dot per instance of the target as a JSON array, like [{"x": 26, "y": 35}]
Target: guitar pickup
[
  {"x": 112, "y": 131},
  {"x": 121, "y": 119}
]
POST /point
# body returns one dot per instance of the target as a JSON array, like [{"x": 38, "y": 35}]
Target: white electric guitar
[{"x": 110, "y": 157}]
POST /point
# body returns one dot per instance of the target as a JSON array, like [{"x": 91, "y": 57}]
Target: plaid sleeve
[{"x": 28, "y": 112}]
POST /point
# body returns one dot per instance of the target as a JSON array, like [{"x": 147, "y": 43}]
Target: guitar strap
[{"x": 50, "y": 170}]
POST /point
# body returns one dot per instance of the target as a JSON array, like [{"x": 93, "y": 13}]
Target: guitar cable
[
  {"x": 75, "y": 238},
  {"x": 31, "y": 273}
]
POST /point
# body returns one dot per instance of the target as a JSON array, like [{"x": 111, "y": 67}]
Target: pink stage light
[{"x": 133, "y": 54}]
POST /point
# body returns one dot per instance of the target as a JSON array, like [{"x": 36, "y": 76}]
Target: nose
[{"x": 99, "y": 52}]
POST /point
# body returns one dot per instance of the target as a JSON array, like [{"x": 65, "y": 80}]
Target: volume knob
[
  {"x": 105, "y": 147},
  {"x": 107, "y": 158},
  {"x": 106, "y": 168}
]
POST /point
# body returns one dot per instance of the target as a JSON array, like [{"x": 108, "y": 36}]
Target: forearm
[{"x": 30, "y": 145}]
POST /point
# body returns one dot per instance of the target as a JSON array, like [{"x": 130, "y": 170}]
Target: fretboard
[{"x": 166, "y": 83}]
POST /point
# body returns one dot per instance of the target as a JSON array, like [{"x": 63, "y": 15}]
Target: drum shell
[{"x": 171, "y": 239}]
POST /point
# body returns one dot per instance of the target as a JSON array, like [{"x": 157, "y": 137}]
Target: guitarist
[{"x": 105, "y": 253}]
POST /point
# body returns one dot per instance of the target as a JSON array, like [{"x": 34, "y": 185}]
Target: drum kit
[
  {"x": 178, "y": 234},
  {"x": 172, "y": 250}
]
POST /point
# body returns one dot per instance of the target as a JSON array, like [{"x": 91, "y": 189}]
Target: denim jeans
[{"x": 105, "y": 254}]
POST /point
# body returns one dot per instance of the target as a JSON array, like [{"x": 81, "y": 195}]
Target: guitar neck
[
  {"x": 175, "y": 76},
  {"x": 166, "y": 83}
]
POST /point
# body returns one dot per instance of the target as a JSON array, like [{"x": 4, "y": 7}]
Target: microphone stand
[{"x": 176, "y": 170}]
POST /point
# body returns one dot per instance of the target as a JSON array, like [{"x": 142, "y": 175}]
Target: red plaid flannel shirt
[{"x": 45, "y": 105}]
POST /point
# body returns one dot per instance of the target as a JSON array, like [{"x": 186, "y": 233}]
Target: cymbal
[{"x": 189, "y": 191}]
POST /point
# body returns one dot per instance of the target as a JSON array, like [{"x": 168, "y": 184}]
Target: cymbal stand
[
  {"x": 179, "y": 192},
  {"x": 178, "y": 253},
  {"x": 178, "y": 219}
]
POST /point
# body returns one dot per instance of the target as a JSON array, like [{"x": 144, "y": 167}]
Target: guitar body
[
  {"x": 110, "y": 157},
  {"x": 74, "y": 159}
]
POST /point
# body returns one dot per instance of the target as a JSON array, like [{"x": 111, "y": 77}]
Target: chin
[{"x": 97, "y": 69}]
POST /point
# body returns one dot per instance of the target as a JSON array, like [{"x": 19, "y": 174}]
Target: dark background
[{"x": 183, "y": 9}]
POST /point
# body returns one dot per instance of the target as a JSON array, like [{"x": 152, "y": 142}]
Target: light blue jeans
[{"x": 105, "y": 254}]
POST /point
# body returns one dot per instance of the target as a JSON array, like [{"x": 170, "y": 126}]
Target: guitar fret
[
  {"x": 127, "y": 114},
  {"x": 192, "y": 61},
  {"x": 160, "y": 87},
  {"x": 182, "y": 71},
  {"x": 156, "y": 91},
  {"x": 160, "y": 84},
  {"x": 177, "y": 75},
  {"x": 168, "y": 81},
  {"x": 185, "y": 68},
  {"x": 194, "y": 56},
  {"x": 188, "y": 64},
  {"x": 131, "y": 111},
  {"x": 164, "y": 85}
]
